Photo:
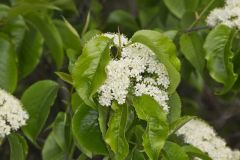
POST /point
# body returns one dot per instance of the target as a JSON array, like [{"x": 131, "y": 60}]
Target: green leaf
[
  {"x": 18, "y": 146},
  {"x": 173, "y": 151},
  {"x": 37, "y": 100},
  {"x": 122, "y": 19},
  {"x": 51, "y": 36},
  {"x": 176, "y": 7},
  {"x": 86, "y": 131},
  {"x": 195, "y": 152},
  {"x": 89, "y": 35},
  {"x": 89, "y": 71},
  {"x": 115, "y": 135},
  {"x": 165, "y": 50},
  {"x": 8, "y": 64},
  {"x": 76, "y": 102},
  {"x": 23, "y": 8},
  {"x": 219, "y": 57},
  {"x": 136, "y": 155},
  {"x": 69, "y": 35},
  {"x": 174, "y": 126},
  {"x": 103, "y": 113},
  {"x": 157, "y": 128},
  {"x": 58, "y": 130},
  {"x": 51, "y": 150},
  {"x": 175, "y": 107},
  {"x": 16, "y": 29},
  {"x": 192, "y": 48},
  {"x": 30, "y": 52},
  {"x": 65, "y": 77},
  {"x": 191, "y": 5},
  {"x": 59, "y": 142}
]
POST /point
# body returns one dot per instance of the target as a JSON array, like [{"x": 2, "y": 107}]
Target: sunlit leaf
[
  {"x": 174, "y": 152},
  {"x": 195, "y": 152},
  {"x": 157, "y": 128},
  {"x": 219, "y": 57},
  {"x": 89, "y": 71},
  {"x": 165, "y": 50},
  {"x": 115, "y": 135}
]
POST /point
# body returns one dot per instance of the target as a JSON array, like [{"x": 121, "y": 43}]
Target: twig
[
  {"x": 196, "y": 29},
  {"x": 201, "y": 14}
]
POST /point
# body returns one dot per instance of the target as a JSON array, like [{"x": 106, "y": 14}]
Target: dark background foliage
[{"x": 197, "y": 91}]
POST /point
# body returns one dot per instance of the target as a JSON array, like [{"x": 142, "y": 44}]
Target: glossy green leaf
[
  {"x": 192, "y": 48},
  {"x": 86, "y": 132},
  {"x": 174, "y": 107},
  {"x": 30, "y": 52},
  {"x": 51, "y": 150},
  {"x": 115, "y": 135},
  {"x": 8, "y": 64},
  {"x": 174, "y": 126},
  {"x": 173, "y": 151},
  {"x": 157, "y": 128},
  {"x": 165, "y": 50},
  {"x": 76, "y": 102},
  {"x": 195, "y": 152},
  {"x": 51, "y": 36},
  {"x": 37, "y": 100},
  {"x": 89, "y": 71},
  {"x": 103, "y": 113},
  {"x": 65, "y": 77},
  {"x": 219, "y": 56},
  {"x": 69, "y": 35},
  {"x": 18, "y": 147},
  {"x": 89, "y": 35},
  {"x": 136, "y": 155}
]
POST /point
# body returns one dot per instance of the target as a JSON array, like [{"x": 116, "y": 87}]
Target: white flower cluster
[
  {"x": 228, "y": 15},
  {"x": 118, "y": 39},
  {"x": 199, "y": 134},
  {"x": 12, "y": 115},
  {"x": 136, "y": 72}
]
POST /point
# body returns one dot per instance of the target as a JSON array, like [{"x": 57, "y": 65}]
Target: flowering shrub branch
[{"x": 113, "y": 96}]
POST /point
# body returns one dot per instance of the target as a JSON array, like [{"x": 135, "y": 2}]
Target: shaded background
[{"x": 197, "y": 91}]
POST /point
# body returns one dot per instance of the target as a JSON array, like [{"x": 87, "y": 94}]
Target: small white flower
[
  {"x": 12, "y": 115},
  {"x": 117, "y": 38},
  {"x": 137, "y": 72},
  {"x": 199, "y": 134},
  {"x": 229, "y": 15}
]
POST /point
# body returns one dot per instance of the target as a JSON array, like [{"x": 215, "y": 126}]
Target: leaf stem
[
  {"x": 198, "y": 28},
  {"x": 201, "y": 14}
]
